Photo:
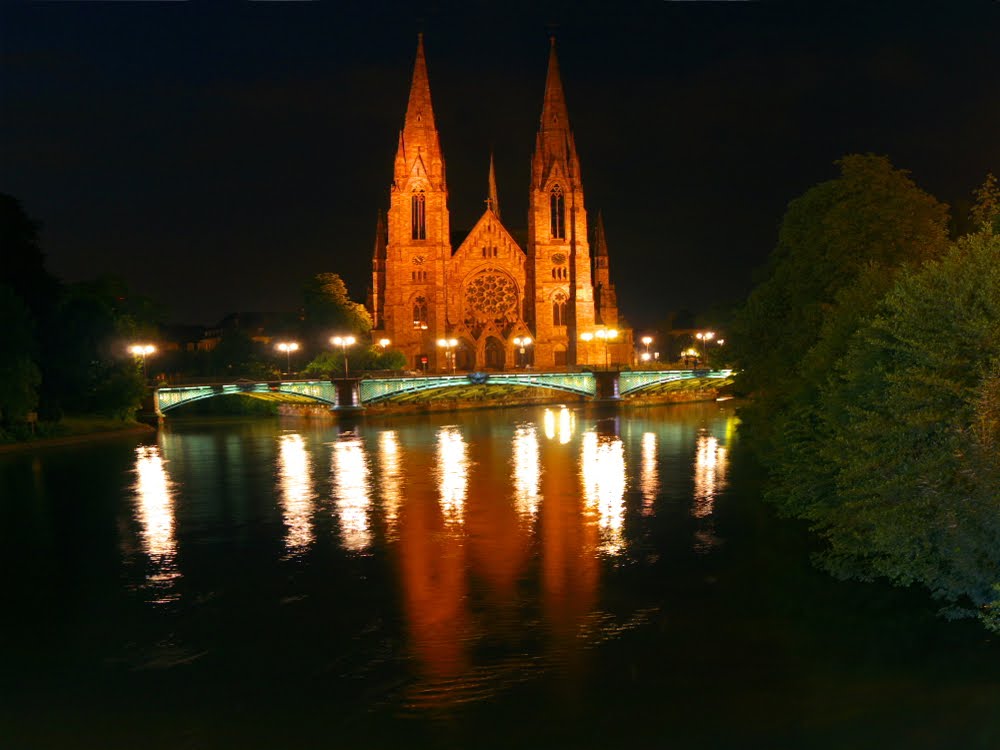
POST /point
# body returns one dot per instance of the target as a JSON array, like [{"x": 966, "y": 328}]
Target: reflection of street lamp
[
  {"x": 704, "y": 337},
  {"x": 449, "y": 351},
  {"x": 343, "y": 342},
  {"x": 141, "y": 350},
  {"x": 287, "y": 347},
  {"x": 522, "y": 341}
]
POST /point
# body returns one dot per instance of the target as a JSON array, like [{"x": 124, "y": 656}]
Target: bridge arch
[{"x": 169, "y": 398}]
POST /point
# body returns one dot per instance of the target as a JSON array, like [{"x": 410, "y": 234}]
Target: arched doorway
[
  {"x": 494, "y": 353},
  {"x": 465, "y": 357}
]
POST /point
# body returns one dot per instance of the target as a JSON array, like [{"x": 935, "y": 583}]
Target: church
[{"x": 473, "y": 307}]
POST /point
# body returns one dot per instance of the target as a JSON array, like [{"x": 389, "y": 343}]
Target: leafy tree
[
  {"x": 23, "y": 267},
  {"x": 328, "y": 309},
  {"x": 238, "y": 356},
  {"x": 844, "y": 236},
  {"x": 908, "y": 432},
  {"x": 19, "y": 374},
  {"x": 985, "y": 213},
  {"x": 331, "y": 363}
]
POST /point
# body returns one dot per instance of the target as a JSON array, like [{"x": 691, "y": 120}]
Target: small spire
[
  {"x": 381, "y": 236},
  {"x": 493, "y": 200},
  {"x": 600, "y": 242}
]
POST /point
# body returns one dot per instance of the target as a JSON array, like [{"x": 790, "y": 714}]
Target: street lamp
[
  {"x": 343, "y": 342},
  {"x": 287, "y": 347},
  {"x": 449, "y": 351},
  {"x": 141, "y": 350},
  {"x": 704, "y": 337},
  {"x": 522, "y": 341},
  {"x": 383, "y": 343},
  {"x": 606, "y": 335},
  {"x": 647, "y": 340}
]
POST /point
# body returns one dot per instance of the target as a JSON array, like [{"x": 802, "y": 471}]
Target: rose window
[{"x": 491, "y": 295}]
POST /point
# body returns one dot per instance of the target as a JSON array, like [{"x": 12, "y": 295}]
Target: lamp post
[
  {"x": 704, "y": 337},
  {"x": 287, "y": 347},
  {"x": 343, "y": 342},
  {"x": 522, "y": 341},
  {"x": 449, "y": 351},
  {"x": 383, "y": 343},
  {"x": 141, "y": 350},
  {"x": 606, "y": 335},
  {"x": 647, "y": 340}
]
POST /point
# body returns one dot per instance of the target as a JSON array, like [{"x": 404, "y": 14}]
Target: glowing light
[
  {"x": 391, "y": 480},
  {"x": 350, "y": 474},
  {"x": 649, "y": 478},
  {"x": 155, "y": 511},
  {"x": 297, "y": 494},
  {"x": 452, "y": 473},
  {"x": 562, "y": 426},
  {"x": 527, "y": 471},
  {"x": 549, "y": 423},
  {"x": 602, "y": 467},
  {"x": 710, "y": 464}
]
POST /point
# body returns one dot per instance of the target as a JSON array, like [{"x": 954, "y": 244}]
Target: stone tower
[
  {"x": 419, "y": 245},
  {"x": 605, "y": 297},
  {"x": 558, "y": 252}
]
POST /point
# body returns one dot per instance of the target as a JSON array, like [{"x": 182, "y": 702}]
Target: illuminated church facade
[{"x": 487, "y": 295}]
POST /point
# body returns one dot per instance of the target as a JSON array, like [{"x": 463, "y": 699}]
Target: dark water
[{"x": 497, "y": 579}]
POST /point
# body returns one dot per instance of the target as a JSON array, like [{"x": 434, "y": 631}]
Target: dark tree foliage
[
  {"x": 898, "y": 463},
  {"x": 328, "y": 309},
  {"x": 19, "y": 374},
  {"x": 839, "y": 248},
  {"x": 22, "y": 263},
  {"x": 359, "y": 359}
]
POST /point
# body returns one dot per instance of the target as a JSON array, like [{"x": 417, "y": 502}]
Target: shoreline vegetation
[{"x": 75, "y": 430}]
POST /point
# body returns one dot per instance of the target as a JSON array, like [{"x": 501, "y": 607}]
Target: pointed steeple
[
  {"x": 419, "y": 151},
  {"x": 600, "y": 242},
  {"x": 419, "y": 111},
  {"x": 381, "y": 238},
  {"x": 554, "y": 146},
  {"x": 493, "y": 199},
  {"x": 554, "y": 112}
]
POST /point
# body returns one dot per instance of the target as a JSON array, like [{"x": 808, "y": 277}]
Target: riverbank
[{"x": 74, "y": 430}]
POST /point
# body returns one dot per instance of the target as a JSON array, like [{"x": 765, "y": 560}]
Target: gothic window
[
  {"x": 560, "y": 272},
  {"x": 420, "y": 312},
  {"x": 557, "y": 213},
  {"x": 418, "y": 216},
  {"x": 559, "y": 310}
]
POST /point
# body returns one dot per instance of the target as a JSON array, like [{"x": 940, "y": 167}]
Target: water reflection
[
  {"x": 649, "y": 479},
  {"x": 351, "y": 492},
  {"x": 527, "y": 471},
  {"x": 602, "y": 467},
  {"x": 710, "y": 463},
  {"x": 391, "y": 480},
  {"x": 562, "y": 424},
  {"x": 297, "y": 494},
  {"x": 452, "y": 473},
  {"x": 155, "y": 512}
]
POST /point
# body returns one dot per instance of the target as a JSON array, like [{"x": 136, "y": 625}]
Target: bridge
[{"x": 353, "y": 394}]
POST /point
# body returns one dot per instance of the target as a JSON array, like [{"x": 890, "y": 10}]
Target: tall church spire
[
  {"x": 554, "y": 112},
  {"x": 600, "y": 242},
  {"x": 419, "y": 151},
  {"x": 419, "y": 111},
  {"x": 493, "y": 199}
]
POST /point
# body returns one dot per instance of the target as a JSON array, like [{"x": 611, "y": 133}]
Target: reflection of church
[{"x": 491, "y": 290}]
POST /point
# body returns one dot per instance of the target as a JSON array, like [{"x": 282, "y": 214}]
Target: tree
[
  {"x": 19, "y": 374},
  {"x": 23, "y": 267},
  {"x": 328, "y": 308},
  {"x": 985, "y": 213},
  {"x": 855, "y": 231},
  {"x": 909, "y": 432}
]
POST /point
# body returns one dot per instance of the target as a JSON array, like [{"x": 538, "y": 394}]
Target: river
[{"x": 532, "y": 577}]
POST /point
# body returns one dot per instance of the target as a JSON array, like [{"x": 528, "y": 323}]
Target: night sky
[{"x": 215, "y": 155}]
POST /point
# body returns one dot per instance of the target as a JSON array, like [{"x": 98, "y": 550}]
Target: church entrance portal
[{"x": 494, "y": 354}]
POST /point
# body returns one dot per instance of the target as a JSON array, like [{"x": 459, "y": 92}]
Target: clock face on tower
[
  {"x": 418, "y": 259},
  {"x": 558, "y": 259}
]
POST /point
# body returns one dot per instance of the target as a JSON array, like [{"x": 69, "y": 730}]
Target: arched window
[
  {"x": 557, "y": 213},
  {"x": 418, "y": 215},
  {"x": 420, "y": 312},
  {"x": 559, "y": 310}
]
